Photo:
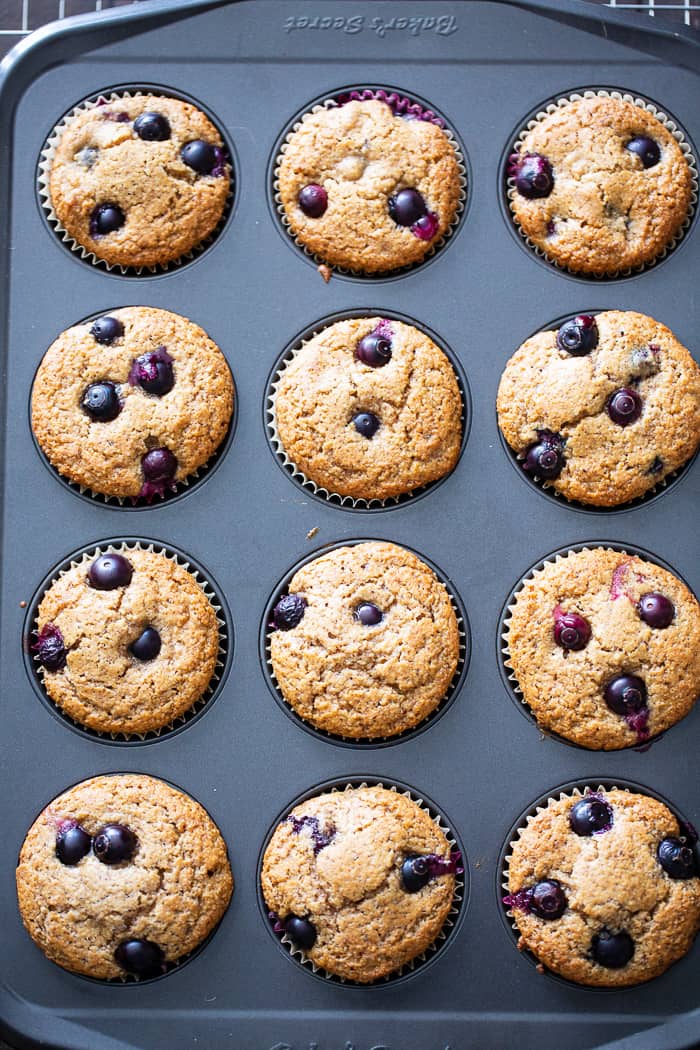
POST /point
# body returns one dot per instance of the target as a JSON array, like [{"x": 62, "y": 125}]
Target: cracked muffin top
[
  {"x": 604, "y": 887},
  {"x": 368, "y": 187},
  {"x": 122, "y": 875},
  {"x": 600, "y": 185},
  {"x": 127, "y": 641},
  {"x": 361, "y": 881},
  {"x": 603, "y": 408},
  {"x": 132, "y": 403},
  {"x": 139, "y": 181},
  {"x": 370, "y": 408},
  {"x": 365, "y": 643},
  {"x": 605, "y": 647}
]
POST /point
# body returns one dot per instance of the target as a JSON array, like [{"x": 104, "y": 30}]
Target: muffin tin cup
[
  {"x": 366, "y": 92},
  {"x": 82, "y": 557},
  {"x": 649, "y": 107},
  {"x": 291, "y": 468},
  {"x": 507, "y": 673},
  {"x": 454, "y": 917},
  {"x": 572, "y": 790},
  {"x": 44, "y": 174},
  {"x": 129, "y": 980},
  {"x": 179, "y": 489},
  {"x": 548, "y": 489},
  {"x": 450, "y": 696}
]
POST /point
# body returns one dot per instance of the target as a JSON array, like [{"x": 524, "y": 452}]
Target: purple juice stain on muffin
[
  {"x": 119, "y": 116},
  {"x": 50, "y": 648},
  {"x": 399, "y": 105},
  {"x": 321, "y": 838},
  {"x": 153, "y": 372}
]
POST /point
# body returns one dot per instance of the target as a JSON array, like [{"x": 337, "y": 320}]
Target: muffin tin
[{"x": 486, "y": 66}]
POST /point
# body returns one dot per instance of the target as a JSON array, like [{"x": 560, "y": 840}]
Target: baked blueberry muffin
[
  {"x": 360, "y": 881},
  {"x": 138, "y": 182},
  {"x": 122, "y": 875},
  {"x": 132, "y": 403},
  {"x": 127, "y": 641},
  {"x": 369, "y": 408},
  {"x": 365, "y": 642},
  {"x": 602, "y": 409},
  {"x": 605, "y": 647},
  {"x": 604, "y": 887},
  {"x": 371, "y": 184},
  {"x": 600, "y": 185}
]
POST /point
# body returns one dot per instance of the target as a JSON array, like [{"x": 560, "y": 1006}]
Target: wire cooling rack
[{"x": 18, "y": 18}]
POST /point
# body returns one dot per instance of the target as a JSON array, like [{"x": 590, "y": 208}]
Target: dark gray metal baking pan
[{"x": 254, "y": 64}]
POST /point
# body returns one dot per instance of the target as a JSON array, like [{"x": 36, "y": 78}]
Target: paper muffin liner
[
  {"x": 548, "y": 487},
  {"x": 568, "y": 791},
  {"x": 298, "y": 475},
  {"x": 507, "y": 672},
  {"x": 83, "y": 558},
  {"x": 44, "y": 174},
  {"x": 374, "y": 741},
  {"x": 663, "y": 118},
  {"x": 451, "y": 921},
  {"x": 399, "y": 103}
]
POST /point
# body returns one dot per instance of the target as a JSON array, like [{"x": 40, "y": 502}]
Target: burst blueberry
[
  {"x": 625, "y": 694},
  {"x": 153, "y": 372},
  {"x": 646, "y": 149},
  {"x": 590, "y": 816},
  {"x": 114, "y": 844},
  {"x": 140, "y": 957},
  {"x": 106, "y": 218},
  {"x": 366, "y": 423},
  {"x": 677, "y": 858},
  {"x": 545, "y": 457},
  {"x": 612, "y": 950},
  {"x": 368, "y": 614},
  {"x": 547, "y": 899},
  {"x": 406, "y": 207},
  {"x": 152, "y": 127},
  {"x": 72, "y": 842},
  {"x": 289, "y": 612},
  {"x": 624, "y": 406},
  {"x": 110, "y": 571},
  {"x": 101, "y": 402},
  {"x": 374, "y": 350},
  {"x": 578, "y": 336},
  {"x": 571, "y": 631},
  {"x": 50, "y": 648},
  {"x": 533, "y": 176},
  {"x": 313, "y": 200},
  {"x": 656, "y": 610},
  {"x": 301, "y": 931},
  {"x": 106, "y": 329},
  {"x": 147, "y": 645}
]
